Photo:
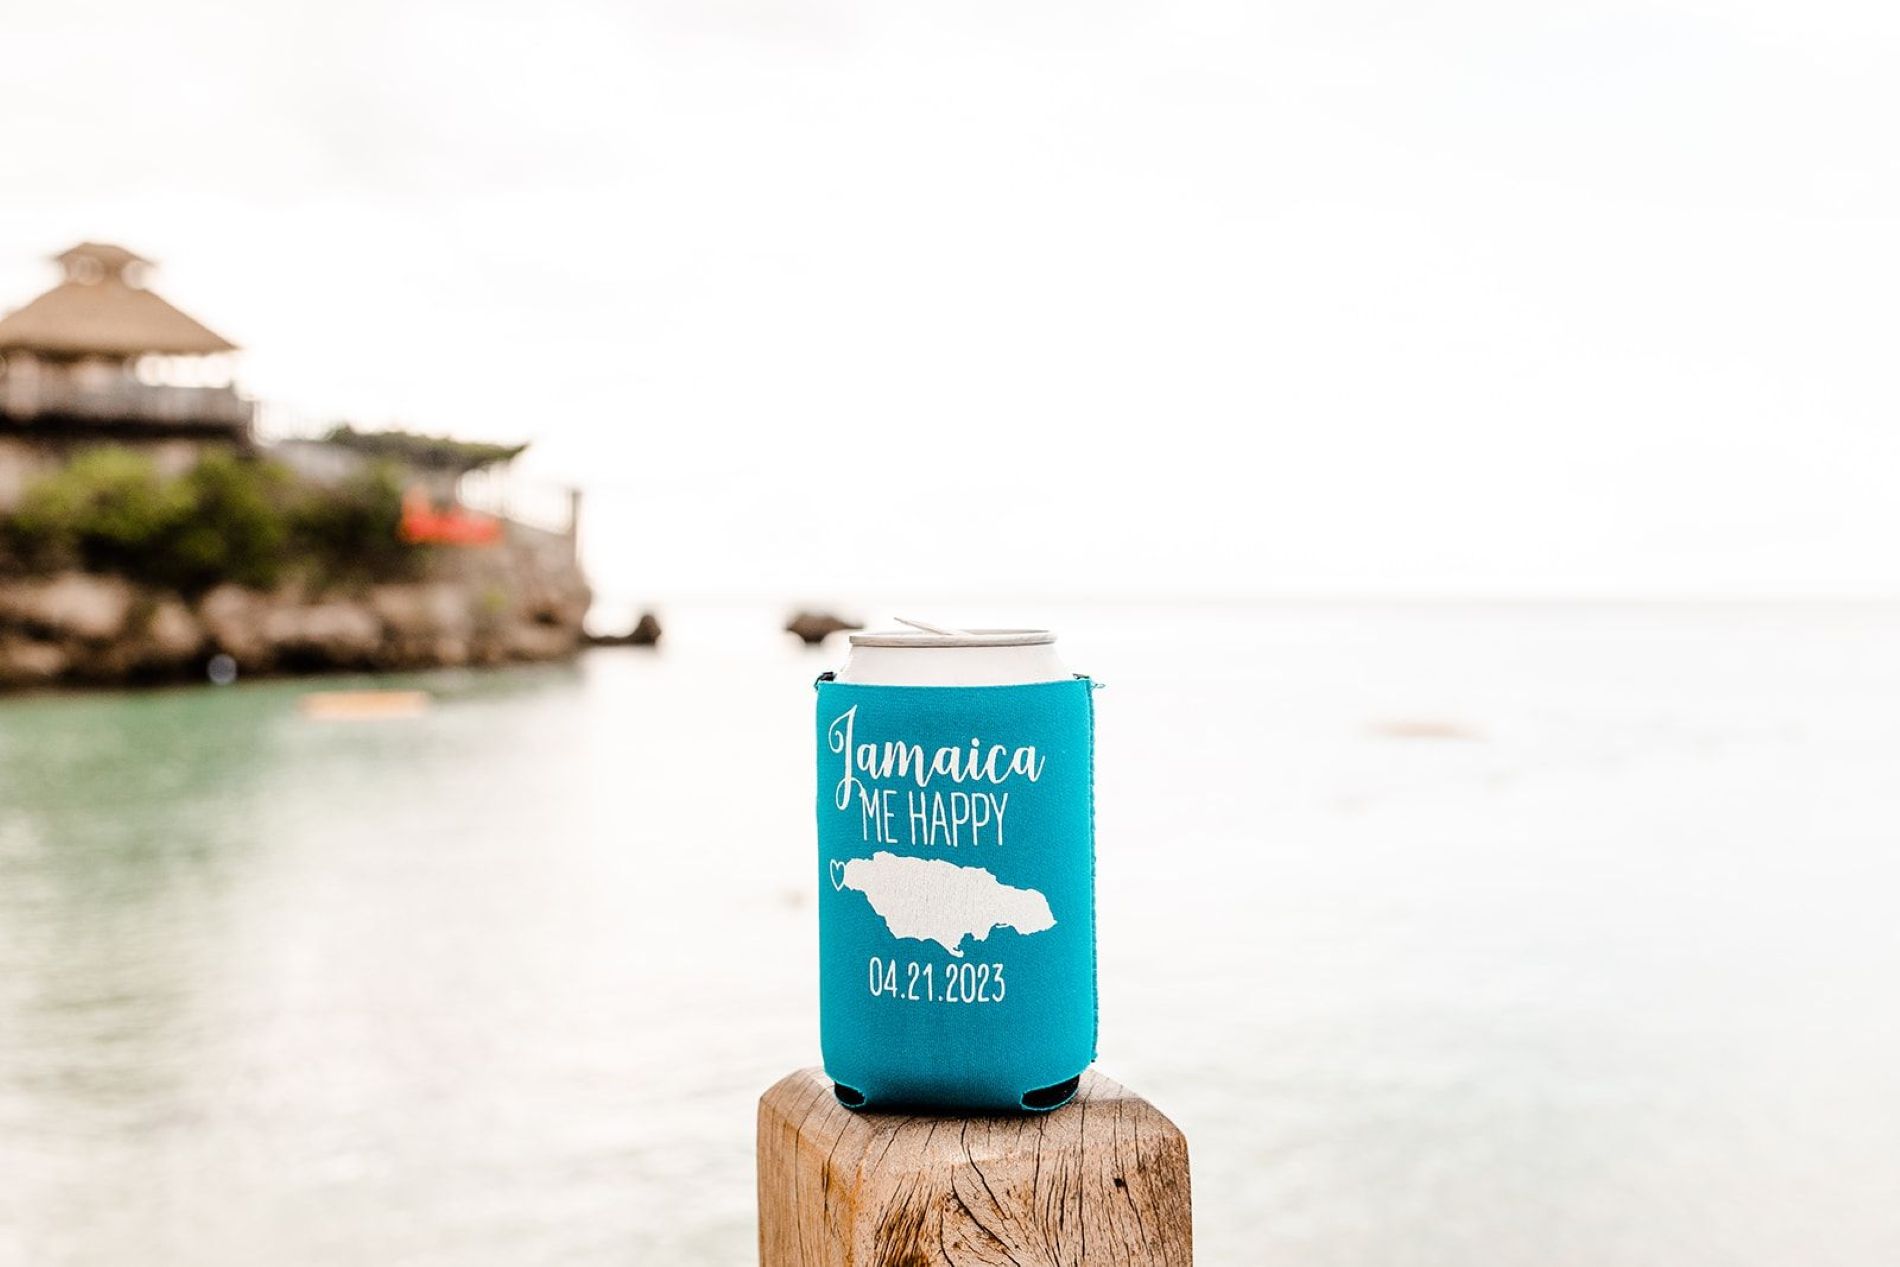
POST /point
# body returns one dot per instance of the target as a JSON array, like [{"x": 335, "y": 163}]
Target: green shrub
[
  {"x": 228, "y": 518},
  {"x": 237, "y": 529},
  {"x": 109, "y": 511},
  {"x": 350, "y": 532}
]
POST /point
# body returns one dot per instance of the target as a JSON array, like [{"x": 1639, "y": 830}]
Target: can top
[{"x": 954, "y": 638}]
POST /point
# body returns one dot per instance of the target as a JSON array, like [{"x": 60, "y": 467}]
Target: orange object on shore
[
  {"x": 363, "y": 705},
  {"x": 423, "y": 524}
]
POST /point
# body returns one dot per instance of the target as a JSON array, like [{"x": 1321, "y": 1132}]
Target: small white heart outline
[{"x": 837, "y": 874}]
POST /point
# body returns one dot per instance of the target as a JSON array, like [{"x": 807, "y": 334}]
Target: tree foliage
[{"x": 227, "y": 518}]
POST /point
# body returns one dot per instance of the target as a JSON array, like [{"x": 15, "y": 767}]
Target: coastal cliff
[
  {"x": 523, "y": 600},
  {"x": 148, "y": 532},
  {"x": 119, "y": 565}
]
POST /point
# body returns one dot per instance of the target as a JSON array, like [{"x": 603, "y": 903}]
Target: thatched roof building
[
  {"x": 101, "y": 350},
  {"x": 103, "y": 309}
]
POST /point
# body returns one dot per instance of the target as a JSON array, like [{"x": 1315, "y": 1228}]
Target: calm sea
[{"x": 1556, "y": 936}]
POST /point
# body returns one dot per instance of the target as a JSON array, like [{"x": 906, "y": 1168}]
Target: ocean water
[{"x": 1451, "y": 937}]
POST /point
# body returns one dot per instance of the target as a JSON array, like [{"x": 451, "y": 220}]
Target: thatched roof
[
  {"x": 112, "y": 259},
  {"x": 101, "y": 309}
]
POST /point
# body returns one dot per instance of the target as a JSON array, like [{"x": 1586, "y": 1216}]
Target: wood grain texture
[{"x": 1101, "y": 1181}]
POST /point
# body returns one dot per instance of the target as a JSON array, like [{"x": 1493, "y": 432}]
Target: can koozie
[{"x": 956, "y": 880}]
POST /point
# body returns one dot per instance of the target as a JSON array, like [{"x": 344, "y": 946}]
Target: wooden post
[{"x": 1100, "y": 1181}]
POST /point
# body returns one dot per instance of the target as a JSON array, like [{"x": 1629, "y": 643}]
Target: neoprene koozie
[{"x": 956, "y": 916}]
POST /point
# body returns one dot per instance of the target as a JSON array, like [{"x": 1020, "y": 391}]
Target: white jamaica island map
[{"x": 927, "y": 899}]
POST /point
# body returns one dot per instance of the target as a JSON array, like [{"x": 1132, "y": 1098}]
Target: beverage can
[
  {"x": 956, "y": 871},
  {"x": 973, "y": 657}
]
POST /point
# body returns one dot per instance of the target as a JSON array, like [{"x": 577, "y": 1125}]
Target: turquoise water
[{"x": 1449, "y": 935}]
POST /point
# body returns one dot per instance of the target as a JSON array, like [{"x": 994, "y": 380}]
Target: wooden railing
[{"x": 127, "y": 401}]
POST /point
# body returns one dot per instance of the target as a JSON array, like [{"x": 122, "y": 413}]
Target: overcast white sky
[{"x": 1334, "y": 297}]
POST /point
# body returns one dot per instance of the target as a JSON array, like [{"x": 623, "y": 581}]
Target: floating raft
[{"x": 363, "y": 705}]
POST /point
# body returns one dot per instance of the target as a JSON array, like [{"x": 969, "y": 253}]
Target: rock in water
[
  {"x": 812, "y": 628},
  {"x": 645, "y": 633}
]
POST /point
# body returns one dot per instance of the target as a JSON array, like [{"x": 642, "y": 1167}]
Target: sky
[{"x": 1042, "y": 298}]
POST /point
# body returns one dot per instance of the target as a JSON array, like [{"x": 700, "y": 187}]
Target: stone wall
[{"x": 524, "y": 600}]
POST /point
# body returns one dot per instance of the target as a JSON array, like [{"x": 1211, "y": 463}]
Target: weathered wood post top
[{"x": 1103, "y": 1180}]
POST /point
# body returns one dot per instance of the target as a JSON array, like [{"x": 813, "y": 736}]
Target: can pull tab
[{"x": 928, "y": 628}]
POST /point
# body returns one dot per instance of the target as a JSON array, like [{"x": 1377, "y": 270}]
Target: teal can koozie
[{"x": 956, "y": 872}]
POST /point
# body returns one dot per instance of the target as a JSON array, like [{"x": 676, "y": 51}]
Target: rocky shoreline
[{"x": 85, "y": 628}]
